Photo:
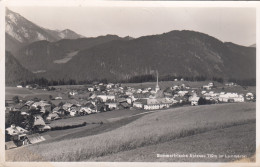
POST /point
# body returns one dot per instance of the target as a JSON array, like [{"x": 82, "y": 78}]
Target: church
[{"x": 157, "y": 101}]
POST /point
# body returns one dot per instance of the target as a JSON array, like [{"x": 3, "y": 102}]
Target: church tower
[{"x": 157, "y": 88}]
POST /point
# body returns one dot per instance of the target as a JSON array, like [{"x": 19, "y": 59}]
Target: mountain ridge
[
  {"x": 186, "y": 53},
  {"x": 20, "y": 32}
]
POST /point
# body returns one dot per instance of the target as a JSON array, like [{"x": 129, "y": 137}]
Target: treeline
[
  {"x": 244, "y": 82},
  {"x": 135, "y": 79}
]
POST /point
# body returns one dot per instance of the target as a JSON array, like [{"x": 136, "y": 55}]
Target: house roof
[
  {"x": 38, "y": 120},
  {"x": 15, "y": 130}
]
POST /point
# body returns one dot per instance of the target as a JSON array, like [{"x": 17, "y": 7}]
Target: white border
[{"x": 98, "y": 3}]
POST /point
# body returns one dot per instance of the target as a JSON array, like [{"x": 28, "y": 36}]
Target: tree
[
  {"x": 60, "y": 104},
  {"x": 30, "y": 120},
  {"x": 202, "y": 101},
  {"x": 50, "y": 97},
  {"x": 16, "y": 99},
  {"x": 15, "y": 117}
]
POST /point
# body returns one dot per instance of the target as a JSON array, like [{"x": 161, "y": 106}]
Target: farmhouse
[{"x": 18, "y": 136}]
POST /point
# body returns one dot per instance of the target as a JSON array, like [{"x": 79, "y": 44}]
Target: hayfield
[
  {"x": 235, "y": 140},
  {"x": 154, "y": 128}
]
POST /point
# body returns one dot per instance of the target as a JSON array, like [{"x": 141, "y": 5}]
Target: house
[
  {"x": 194, "y": 100},
  {"x": 250, "y": 96},
  {"x": 28, "y": 86},
  {"x": 182, "y": 93},
  {"x": 111, "y": 105},
  {"x": 53, "y": 116},
  {"x": 18, "y": 136},
  {"x": 140, "y": 103},
  {"x": 87, "y": 110},
  {"x": 68, "y": 106},
  {"x": 123, "y": 105},
  {"x": 39, "y": 124},
  {"x": 16, "y": 130},
  {"x": 110, "y": 85},
  {"x": 211, "y": 84},
  {"x": 91, "y": 89},
  {"x": 104, "y": 98},
  {"x": 230, "y": 84},
  {"x": 129, "y": 100},
  {"x": 73, "y": 93},
  {"x": 157, "y": 103},
  {"x": 43, "y": 105},
  {"x": 58, "y": 98},
  {"x": 29, "y": 103},
  {"x": 231, "y": 97},
  {"x": 207, "y": 87}
]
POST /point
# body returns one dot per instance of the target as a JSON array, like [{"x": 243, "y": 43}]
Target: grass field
[
  {"x": 151, "y": 129},
  {"x": 235, "y": 140},
  {"x": 27, "y": 94},
  {"x": 104, "y": 117}
]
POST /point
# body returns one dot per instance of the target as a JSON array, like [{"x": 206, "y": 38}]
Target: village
[{"x": 27, "y": 120}]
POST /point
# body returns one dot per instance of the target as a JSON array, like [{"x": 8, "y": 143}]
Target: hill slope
[
  {"x": 184, "y": 53},
  {"x": 14, "y": 71},
  {"x": 45, "y": 55}
]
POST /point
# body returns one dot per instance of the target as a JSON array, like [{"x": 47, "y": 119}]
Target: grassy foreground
[
  {"x": 235, "y": 140},
  {"x": 155, "y": 128}
]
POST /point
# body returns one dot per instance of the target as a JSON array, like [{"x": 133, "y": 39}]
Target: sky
[{"x": 237, "y": 25}]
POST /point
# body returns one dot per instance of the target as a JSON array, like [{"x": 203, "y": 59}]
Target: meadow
[
  {"x": 235, "y": 140},
  {"x": 159, "y": 127}
]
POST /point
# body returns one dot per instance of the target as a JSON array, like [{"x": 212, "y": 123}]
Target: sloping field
[
  {"x": 236, "y": 140},
  {"x": 151, "y": 129}
]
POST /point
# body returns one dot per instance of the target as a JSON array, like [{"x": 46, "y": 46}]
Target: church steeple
[{"x": 157, "y": 88}]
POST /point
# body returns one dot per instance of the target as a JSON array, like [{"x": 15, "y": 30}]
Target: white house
[
  {"x": 231, "y": 97},
  {"x": 194, "y": 100},
  {"x": 104, "y": 98},
  {"x": 91, "y": 89},
  {"x": 158, "y": 103},
  {"x": 111, "y": 105},
  {"x": 110, "y": 85},
  {"x": 249, "y": 96}
]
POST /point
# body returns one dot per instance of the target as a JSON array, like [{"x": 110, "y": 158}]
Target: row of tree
[{"x": 135, "y": 79}]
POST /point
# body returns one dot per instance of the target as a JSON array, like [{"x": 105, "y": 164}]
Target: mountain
[
  {"x": 14, "y": 71},
  {"x": 64, "y": 34},
  {"x": 40, "y": 56},
  {"x": 20, "y": 32},
  {"x": 183, "y": 53}
]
